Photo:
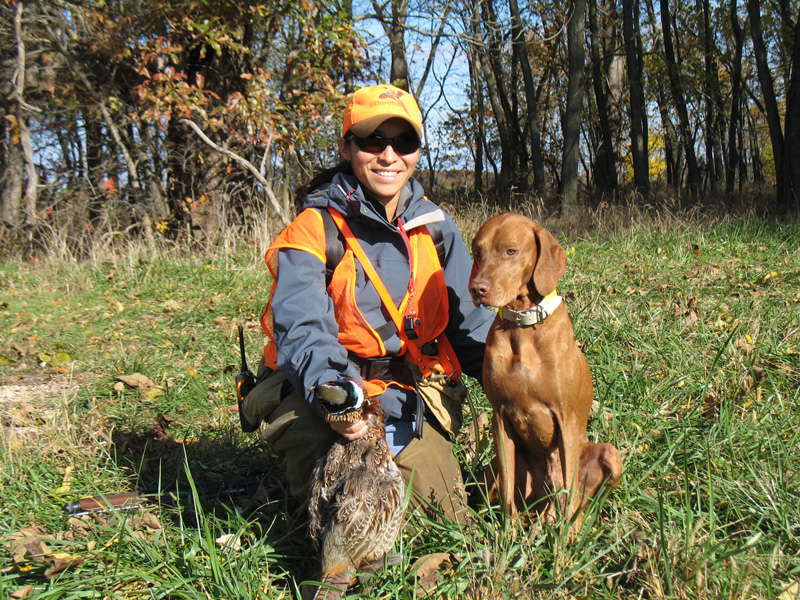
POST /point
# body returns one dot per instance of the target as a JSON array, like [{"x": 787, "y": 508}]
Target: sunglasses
[{"x": 407, "y": 143}]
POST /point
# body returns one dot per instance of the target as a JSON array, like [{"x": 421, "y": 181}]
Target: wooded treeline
[{"x": 175, "y": 116}]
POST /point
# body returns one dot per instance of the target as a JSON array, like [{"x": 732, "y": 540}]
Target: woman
[{"x": 405, "y": 330}]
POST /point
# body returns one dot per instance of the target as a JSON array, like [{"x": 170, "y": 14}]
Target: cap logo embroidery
[
  {"x": 394, "y": 95},
  {"x": 391, "y": 94}
]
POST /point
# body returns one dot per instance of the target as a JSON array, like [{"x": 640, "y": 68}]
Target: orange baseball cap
[{"x": 371, "y": 106}]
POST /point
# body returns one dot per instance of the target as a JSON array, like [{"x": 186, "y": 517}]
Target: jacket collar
[{"x": 346, "y": 194}]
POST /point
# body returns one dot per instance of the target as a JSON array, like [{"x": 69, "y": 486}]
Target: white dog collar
[{"x": 530, "y": 316}]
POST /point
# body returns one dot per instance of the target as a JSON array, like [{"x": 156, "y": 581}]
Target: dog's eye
[
  {"x": 476, "y": 255},
  {"x": 511, "y": 251}
]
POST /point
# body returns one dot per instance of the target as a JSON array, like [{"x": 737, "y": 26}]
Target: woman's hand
[{"x": 350, "y": 430}]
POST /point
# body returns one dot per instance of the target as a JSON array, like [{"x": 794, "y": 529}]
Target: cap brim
[{"x": 368, "y": 126}]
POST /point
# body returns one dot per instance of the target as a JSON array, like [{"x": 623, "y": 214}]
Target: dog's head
[{"x": 514, "y": 259}]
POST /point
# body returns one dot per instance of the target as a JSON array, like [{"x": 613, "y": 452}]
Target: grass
[{"x": 692, "y": 332}]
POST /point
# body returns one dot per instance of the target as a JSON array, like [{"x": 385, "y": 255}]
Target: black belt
[{"x": 391, "y": 368}]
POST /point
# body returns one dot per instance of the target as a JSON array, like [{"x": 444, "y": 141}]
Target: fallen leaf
[
  {"x": 22, "y": 414},
  {"x": 22, "y": 592},
  {"x": 29, "y": 549},
  {"x": 153, "y": 393},
  {"x": 66, "y": 483},
  {"x": 54, "y": 360},
  {"x": 137, "y": 381},
  {"x": 6, "y": 361},
  {"x": 744, "y": 344},
  {"x": 79, "y": 528},
  {"x": 431, "y": 563},
  {"x": 146, "y": 521},
  {"x": 61, "y": 561},
  {"x": 172, "y": 306},
  {"x": 427, "y": 569},
  {"x": 229, "y": 541},
  {"x": 792, "y": 592}
]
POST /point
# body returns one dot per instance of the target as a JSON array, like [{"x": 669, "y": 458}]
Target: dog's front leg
[
  {"x": 506, "y": 460},
  {"x": 572, "y": 442}
]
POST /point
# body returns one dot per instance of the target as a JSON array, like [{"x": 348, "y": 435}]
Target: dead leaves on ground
[
  {"x": 29, "y": 548},
  {"x": 37, "y": 552},
  {"x": 143, "y": 384},
  {"x": 137, "y": 381}
]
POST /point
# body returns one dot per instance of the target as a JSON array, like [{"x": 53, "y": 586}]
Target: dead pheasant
[{"x": 357, "y": 492}]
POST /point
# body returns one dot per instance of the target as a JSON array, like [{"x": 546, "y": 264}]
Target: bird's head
[{"x": 343, "y": 400}]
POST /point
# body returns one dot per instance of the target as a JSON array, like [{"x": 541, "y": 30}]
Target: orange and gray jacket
[{"x": 318, "y": 328}]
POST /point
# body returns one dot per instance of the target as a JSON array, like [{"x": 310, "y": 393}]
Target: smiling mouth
[{"x": 388, "y": 174}]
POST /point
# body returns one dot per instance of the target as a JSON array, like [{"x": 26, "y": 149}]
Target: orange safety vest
[{"x": 427, "y": 299}]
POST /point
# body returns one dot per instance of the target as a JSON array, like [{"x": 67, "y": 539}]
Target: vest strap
[{"x": 386, "y": 298}]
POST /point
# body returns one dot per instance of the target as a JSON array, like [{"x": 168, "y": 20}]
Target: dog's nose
[{"x": 479, "y": 289}]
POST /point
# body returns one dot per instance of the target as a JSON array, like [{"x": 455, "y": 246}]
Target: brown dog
[{"x": 535, "y": 375}]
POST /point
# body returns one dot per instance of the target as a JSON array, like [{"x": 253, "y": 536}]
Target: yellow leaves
[
  {"x": 172, "y": 306},
  {"x": 57, "y": 359},
  {"x": 6, "y": 361},
  {"x": 66, "y": 482},
  {"x": 28, "y": 547}
]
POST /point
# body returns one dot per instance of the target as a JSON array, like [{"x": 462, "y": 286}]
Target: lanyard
[
  {"x": 395, "y": 313},
  {"x": 403, "y": 233}
]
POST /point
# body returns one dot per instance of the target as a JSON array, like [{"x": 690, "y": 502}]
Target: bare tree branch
[{"x": 246, "y": 164}]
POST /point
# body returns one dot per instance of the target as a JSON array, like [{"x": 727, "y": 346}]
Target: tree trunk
[
  {"x": 496, "y": 83},
  {"x": 605, "y": 164},
  {"x": 477, "y": 96},
  {"x": 687, "y": 140},
  {"x": 789, "y": 200},
  {"x": 713, "y": 100},
  {"x": 506, "y": 147},
  {"x": 32, "y": 176},
  {"x": 574, "y": 109},
  {"x": 768, "y": 93},
  {"x": 638, "y": 113},
  {"x": 95, "y": 172},
  {"x": 12, "y": 177},
  {"x": 734, "y": 130},
  {"x": 395, "y": 31},
  {"x": 492, "y": 71},
  {"x": 531, "y": 100}
]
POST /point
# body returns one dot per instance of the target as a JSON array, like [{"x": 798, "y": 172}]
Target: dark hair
[{"x": 321, "y": 178}]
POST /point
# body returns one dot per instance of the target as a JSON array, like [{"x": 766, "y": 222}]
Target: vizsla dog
[{"x": 535, "y": 375}]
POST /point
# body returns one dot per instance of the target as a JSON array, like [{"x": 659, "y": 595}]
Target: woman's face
[{"x": 383, "y": 174}]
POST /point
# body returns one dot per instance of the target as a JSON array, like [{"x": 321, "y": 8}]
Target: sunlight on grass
[{"x": 692, "y": 331}]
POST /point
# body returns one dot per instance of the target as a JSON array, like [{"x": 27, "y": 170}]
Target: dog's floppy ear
[{"x": 551, "y": 263}]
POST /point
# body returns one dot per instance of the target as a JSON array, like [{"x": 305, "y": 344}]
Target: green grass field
[{"x": 692, "y": 331}]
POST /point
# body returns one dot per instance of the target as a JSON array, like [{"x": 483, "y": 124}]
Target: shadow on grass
[{"x": 218, "y": 484}]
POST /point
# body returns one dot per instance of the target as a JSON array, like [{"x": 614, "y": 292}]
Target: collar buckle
[{"x": 529, "y": 317}]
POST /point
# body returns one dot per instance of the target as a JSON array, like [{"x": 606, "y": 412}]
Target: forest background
[
  {"x": 171, "y": 118},
  {"x": 148, "y": 153}
]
